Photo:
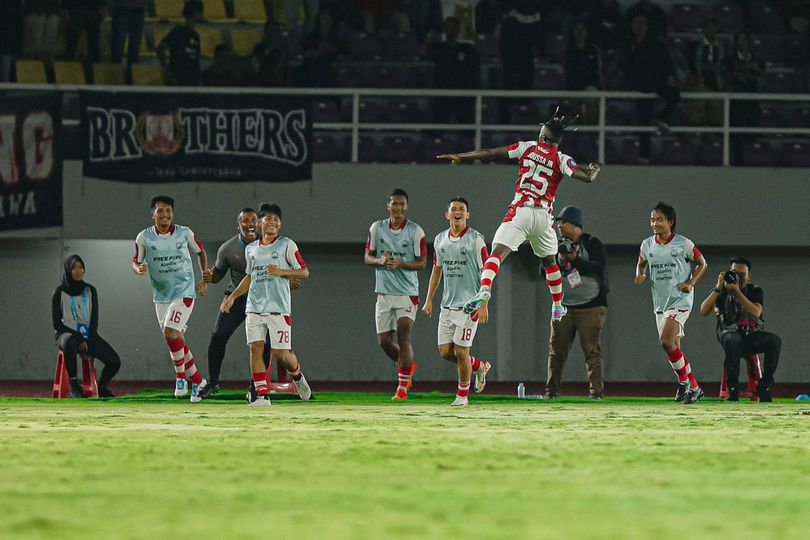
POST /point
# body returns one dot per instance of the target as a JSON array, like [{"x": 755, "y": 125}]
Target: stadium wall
[{"x": 333, "y": 311}]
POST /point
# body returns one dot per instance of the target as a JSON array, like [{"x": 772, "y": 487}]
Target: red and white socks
[
  {"x": 682, "y": 369},
  {"x": 491, "y": 268},
  {"x": 177, "y": 353},
  {"x": 296, "y": 373},
  {"x": 463, "y": 389},
  {"x": 476, "y": 363},
  {"x": 191, "y": 368},
  {"x": 260, "y": 382},
  {"x": 554, "y": 282}
]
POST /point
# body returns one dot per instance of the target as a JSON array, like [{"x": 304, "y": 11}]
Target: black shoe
[
  {"x": 733, "y": 394},
  {"x": 103, "y": 391},
  {"x": 550, "y": 395},
  {"x": 597, "y": 397},
  {"x": 764, "y": 392},
  {"x": 209, "y": 390},
  {"x": 76, "y": 391},
  {"x": 692, "y": 396},
  {"x": 680, "y": 393}
]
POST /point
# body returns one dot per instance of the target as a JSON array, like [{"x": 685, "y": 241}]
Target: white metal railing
[{"x": 478, "y": 127}]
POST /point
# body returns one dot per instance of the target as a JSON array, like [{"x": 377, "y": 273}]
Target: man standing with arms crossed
[
  {"x": 459, "y": 255},
  {"x": 397, "y": 249},
  {"x": 164, "y": 250},
  {"x": 669, "y": 257}
]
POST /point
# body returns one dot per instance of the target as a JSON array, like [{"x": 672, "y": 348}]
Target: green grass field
[{"x": 358, "y": 466}]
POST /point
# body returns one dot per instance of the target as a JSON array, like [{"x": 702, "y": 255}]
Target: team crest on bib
[
  {"x": 674, "y": 253},
  {"x": 463, "y": 251},
  {"x": 178, "y": 245},
  {"x": 274, "y": 255}
]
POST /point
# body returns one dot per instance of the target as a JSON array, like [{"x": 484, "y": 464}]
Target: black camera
[
  {"x": 566, "y": 246},
  {"x": 730, "y": 276}
]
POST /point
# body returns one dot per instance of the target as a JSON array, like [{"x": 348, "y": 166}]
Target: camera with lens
[
  {"x": 730, "y": 276},
  {"x": 566, "y": 246}
]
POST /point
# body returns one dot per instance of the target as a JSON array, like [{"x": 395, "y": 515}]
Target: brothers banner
[
  {"x": 30, "y": 161},
  {"x": 174, "y": 137}
]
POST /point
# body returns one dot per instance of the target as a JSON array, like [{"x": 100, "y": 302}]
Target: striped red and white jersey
[{"x": 541, "y": 169}]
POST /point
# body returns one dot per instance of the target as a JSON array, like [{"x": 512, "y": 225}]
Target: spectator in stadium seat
[
  {"x": 426, "y": 16},
  {"x": 179, "y": 52},
  {"x": 656, "y": 19},
  {"x": 84, "y": 16},
  {"x": 458, "y": 66},
  {"x": 583, "y": 61},
  {"x": 11, "y": 26},
  {"x": 709, "y": 58},
  {"x": 41, "y": 31},
  {"x": 127, "y": 23},
  {"x": 607, "y": 28},
  {"x": 74, "y": 311},
  {"x": 270, "y": 61},
  {"x": 738, "y": 305},
  {"x": 647, "y": 67},
  {"x": 322, "y": 49},
  {"x": 222, "y": 72},
  {"x": 521, "y": 35}
]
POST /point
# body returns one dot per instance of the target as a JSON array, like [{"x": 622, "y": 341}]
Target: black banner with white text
[
  {"x": 30, "y": 161},
  {"x": 166, "y": 137}
]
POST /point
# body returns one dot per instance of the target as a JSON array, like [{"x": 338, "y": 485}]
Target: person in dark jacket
[
  {"x": 582, "y": 261},
  {"x": 583, "y": 61},
  {"x": 74, "y": 310},
  {"x": 84, "y": 16}
]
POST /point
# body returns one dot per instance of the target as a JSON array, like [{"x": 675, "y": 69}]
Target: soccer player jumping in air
[
  {"x": 459, "y": 255},
  {"x": 542, "y": 167},
  {"x": 164, "y": 251},
  {"x": 670, "y": 257}
]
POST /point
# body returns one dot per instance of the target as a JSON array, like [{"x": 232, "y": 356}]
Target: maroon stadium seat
[
  {"x": 352, "y": 76},
  {"x": 549, "y": 79},
  {"x": 419, "y": 76},
  {"x": 758, "y": 153},
  {"x": 795, "y": 51},
  {"x": 488, "y": 48},
  {"x": 772, "y": 114},
  {"x": 327, "y": 149},
  {"x": 624, "y": 150},
  {"x": 710, "y": 150},
  {"x": 523, "y": 113},
  {"x": 325, "y": 111},
  {"x": 798, "y": 116},
  {"x": 767, "y": 17},
  {"x": 687, "y": 17},
  {"x": 796, "y": 153},
  {"x": 729, "y": 16},
  {"x": 782, "y": 81},
  {"x": 620, "y": 113},
  {"x": 368, "y": 150},
  {"x": 555, "y": 47},
  {"x": 767, "y": 48},
  {"x": 387, "y": 76},
  {"x": 401, "y": 46},
  {"x": 678, "y": 152},
  {"x": 364, "y": 46},
  {"x": 400, "y": 149},
  {"x": 403, "y": 112},
  {"x": 372, "y": 111}
]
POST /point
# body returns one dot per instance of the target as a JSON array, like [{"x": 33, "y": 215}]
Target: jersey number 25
[{"x": 532, "y": 177}]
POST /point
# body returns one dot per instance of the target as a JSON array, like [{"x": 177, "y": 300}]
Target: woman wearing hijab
[{"x": 75, "y": 319}]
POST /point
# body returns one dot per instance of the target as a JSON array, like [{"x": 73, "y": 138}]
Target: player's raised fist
[{"x": 455, "y": 158}]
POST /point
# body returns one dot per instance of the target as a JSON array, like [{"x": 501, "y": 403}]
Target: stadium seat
[
  {"x": 523, "y": 113},
  {"x": 729, "y": 17},
  {"x": 400, "y": 149},
  {"x": 352, "y": 76},
  {"x": 772, "y": 115},
  {"x": 215, "y": 11},
  {"x": 711, "y": 150},
  {"x": 364, "y": 46},
  {"x": 251, "y": 11},
  {"x": 144, "y": 49},
  {"x": 798, "y": 116},
  {"x": 61, "y": 381},
  {"x": 401, "y": 46},
  {"x": 796, "y": 153},
  {"x": 767, "y": 18},
  {"x": 767, "y": 48},
  {"x": 782, "y": 81},
  {"x": 327, "y": 149},
  {"x": 169, "y": 10},
  {"x": 620, "y": 113},
  {"x": 30, "y": 72},
  {"x": 106, "y": 73},
  {"x": 556, "y": 46},
  {"x": 759, "y": 154},
  {"x": 368, "y": 151},
  {"x": 243, "y": 40},
  {"x": 583, "y": 147},
  {"x": 158, "y": 33},
  {"x": 678, "y": 152},
  {"x": 490, "y": 112},
  {"x": 621, "y": 150},
  {"x": 548, "y": 79},
  {"x": 210, "y": 37},
  {"x": 146, "y": 75},
  {"x": 372, "y": 111},
  {"x": 404, "y": 112},
  {"x": 419, "y": 76},
  {"x": 387, "y": 75},
  {"x": 754, "y": 369},
  {"x": 687, "y": 17},
  {"x": 325, "y": 111},
  {"x": 794, "y": 51},
  {"x": 69, "y": 73}
]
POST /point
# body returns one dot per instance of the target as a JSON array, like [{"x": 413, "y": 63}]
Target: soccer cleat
[
  {"x": 260, "y": 401},
  {"x": 550, "y": 395},
  {"x": 209, "y": 390},
  {"x": 558, "y": 311},
  {"x": 104, "y": 392},
  {"x": 196, "y": 389},
  {"x": 680, "y": 393},
  {"x": 180, "y": 388},
  {"x": 401, "y": 395},
  {"x": 304, "y": 391},
  {"x": 481, "y": 376},
  {"x": 692, "y": 396},
  {"x": 596, "y": 397},
  {"x": 733, "y": 394},
  {"x": 410, "y": 379},
  {"x": 460, "y": 401},
  {"x": 251, "y": 393},
  {"x": 764, "y": 392},
  {"x": 472, "y": 305},
  {"x": 76, "y": 391}
]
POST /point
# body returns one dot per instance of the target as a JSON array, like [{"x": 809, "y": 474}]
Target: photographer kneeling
[
  {"x": 740, "y": 326},
  {"x": 582, "y": 261}
]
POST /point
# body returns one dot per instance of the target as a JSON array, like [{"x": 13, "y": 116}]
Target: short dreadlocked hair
[{"x": 556, "y": 126}]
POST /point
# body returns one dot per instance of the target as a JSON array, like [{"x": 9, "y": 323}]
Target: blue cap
[{"x": 570, "y": 214}]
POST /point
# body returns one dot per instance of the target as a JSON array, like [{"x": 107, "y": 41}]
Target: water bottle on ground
[{"x": 521, "y": 390}]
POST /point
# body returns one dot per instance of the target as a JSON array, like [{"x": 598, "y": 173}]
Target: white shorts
[
  {"x": 257, "y": 325},
  {"x": 456, "y": 327},
  {"x": 390, "y": 308},
  {"x": 677, "y": 315},
  {"x": 175, "y": 314},
  {"x": 531, "y": 223}
]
